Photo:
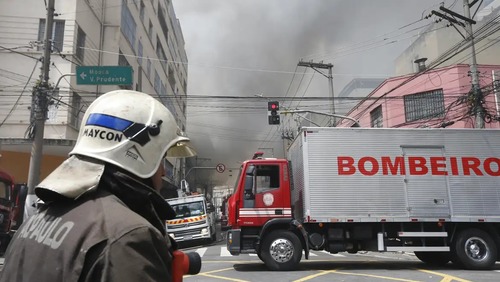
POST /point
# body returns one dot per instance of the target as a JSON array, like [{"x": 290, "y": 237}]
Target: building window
[
  {"x": 141, "y": 11},
  {"x": 425, "y": 105},
  {"x": 138, "y": 85},
  {"x": 161, "y": 54},
  {"x": 76, "y": 105},
  {"x": 163, "y": 22},
  {"x": 80, "y": 44},
  {"x": 128, "y": 24},
  {"x": 150, "y": 32},
  {"x": 122, "y": 61},
  {"x": 157, "y": 84},
  {"x": 148, "y": 68},
  {"x": 171, "y": 76},
  {"x": 376, "y": 117},
  {"x": 139, "y": 53},
  {"x": 57, "y": 34}
]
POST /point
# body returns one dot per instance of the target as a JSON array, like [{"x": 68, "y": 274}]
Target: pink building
[{"x": 434, "y": 98}]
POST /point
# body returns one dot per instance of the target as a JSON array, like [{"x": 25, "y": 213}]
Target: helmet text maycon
[{"x": 102, "y": 134}]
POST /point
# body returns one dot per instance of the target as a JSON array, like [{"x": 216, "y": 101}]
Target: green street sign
[{"x": 104, "y": 75}]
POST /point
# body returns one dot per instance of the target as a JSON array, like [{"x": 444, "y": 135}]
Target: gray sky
[{"x": 243, "y": 48}]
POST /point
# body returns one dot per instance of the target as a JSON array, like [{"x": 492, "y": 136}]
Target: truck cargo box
[{"x": 376, "y": 174}]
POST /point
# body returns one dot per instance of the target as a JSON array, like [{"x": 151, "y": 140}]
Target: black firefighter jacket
[{"x": 115, "y": 233}]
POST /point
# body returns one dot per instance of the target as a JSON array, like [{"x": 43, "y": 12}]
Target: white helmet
[{"x": 131, "y": 130}]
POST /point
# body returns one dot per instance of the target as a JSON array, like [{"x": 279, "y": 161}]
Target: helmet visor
[{"x": 181, "y": 149}]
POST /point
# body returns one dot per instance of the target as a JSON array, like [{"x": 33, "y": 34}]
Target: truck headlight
[
  {"x": 204, "y": 231},
  {"x": 172, "y": 235}
]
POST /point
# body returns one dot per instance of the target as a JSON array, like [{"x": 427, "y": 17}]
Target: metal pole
[
  {"x": 330, "y": 79},
  {"x": 40, "y": 113},
  {"x": 316, "y": 66},
  {"x": 356, "y": 123},
  {"x": 496, "y": 89},
  {"x": 476, "y": 91}
]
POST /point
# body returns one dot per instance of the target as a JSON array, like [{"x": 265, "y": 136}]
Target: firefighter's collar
[{"x": 73, "y": 178}]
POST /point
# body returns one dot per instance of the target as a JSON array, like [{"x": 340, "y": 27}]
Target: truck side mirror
[
  {"x": 249, "y": 187},
  {"x": 248, "y": 195},
  {"x": 210, "y": 207}
]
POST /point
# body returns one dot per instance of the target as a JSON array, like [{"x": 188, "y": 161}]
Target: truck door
[
  {"x": 427, "y": 194},
  {"x": 263, "y": 198}
]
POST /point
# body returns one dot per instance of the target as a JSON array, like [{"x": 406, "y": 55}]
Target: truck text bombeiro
[{"x": 434, "y": 192}]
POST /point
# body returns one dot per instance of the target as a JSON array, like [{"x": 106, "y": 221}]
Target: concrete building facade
[
  {"x": 437, "y": 98},
  {"x": 142, "y": 34}
]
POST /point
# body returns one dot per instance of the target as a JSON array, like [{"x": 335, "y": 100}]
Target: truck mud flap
[
  {"x": 299, "y": 227},
  {"x": 233, "y": 241}
]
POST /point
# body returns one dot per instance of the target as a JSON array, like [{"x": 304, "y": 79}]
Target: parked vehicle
[
  {"x": 12, "y": 198},
  {"x": 224, "y": 211},
  {"x": 195, "y": 220},
  {"x": 434, "y": 192}
]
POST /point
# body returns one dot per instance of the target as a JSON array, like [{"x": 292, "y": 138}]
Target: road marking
[
  {"x": 376, "y": 276},
  {"x": 336, "y": 271},
  {"x": 209, "y": 274},
  {"x": 446, "y": 277},
  {"x": 224, "y": 252},
  {"x": 201, "y": 251},
  {"x": 323, "y": 272}
]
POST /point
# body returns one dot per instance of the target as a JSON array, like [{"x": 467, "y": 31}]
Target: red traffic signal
[
  {"x": 274, "y": 117},
  {"x": 273, "y": 106}
]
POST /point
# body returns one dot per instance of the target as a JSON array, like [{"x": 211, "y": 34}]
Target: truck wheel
[
  {"x": 434, "y": 258},
  {"x": 260, "y": 256},
  {"x": 281, "y": 250},
  {"x": 474, "y": 249}
]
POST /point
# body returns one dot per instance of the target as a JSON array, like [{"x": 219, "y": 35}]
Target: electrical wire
[{"x": 20, "y": 96}]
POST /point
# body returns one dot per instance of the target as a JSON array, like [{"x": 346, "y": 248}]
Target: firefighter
[{"x": 102, "y": 217}]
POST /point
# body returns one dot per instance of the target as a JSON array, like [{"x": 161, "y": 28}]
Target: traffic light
[{"x": 273, "y": 107}]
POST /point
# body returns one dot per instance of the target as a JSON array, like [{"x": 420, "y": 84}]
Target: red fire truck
[
  {"x": 12, "y": 197},
  {"x": 434, "y": 192}
]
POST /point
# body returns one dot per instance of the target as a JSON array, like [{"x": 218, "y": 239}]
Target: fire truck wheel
[
  {"x": 281, "y": 250},
  {"x": 434, "y": 258},
  {"x": 474, "y": 249},
  {"x": 260, "y": 256}
]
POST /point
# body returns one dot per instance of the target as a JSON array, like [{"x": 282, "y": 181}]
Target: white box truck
[
  {"x": 434, "y": 192},
  {"x": 194, "y": 221}
]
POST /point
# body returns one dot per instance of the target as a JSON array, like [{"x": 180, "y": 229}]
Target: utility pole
[
  {"x": 476, "y": 90},
  {"x": 496, "y": 90},
  {"x": 467, "y": 25},
  {"x": 316, "y": 66},
  {"x": 40, "y": 112}
]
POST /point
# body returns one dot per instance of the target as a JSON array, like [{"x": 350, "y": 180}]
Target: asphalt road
[{"x": 219, "y": 265}]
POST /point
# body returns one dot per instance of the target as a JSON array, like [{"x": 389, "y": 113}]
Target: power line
[{"x": 21, "y": 95}]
